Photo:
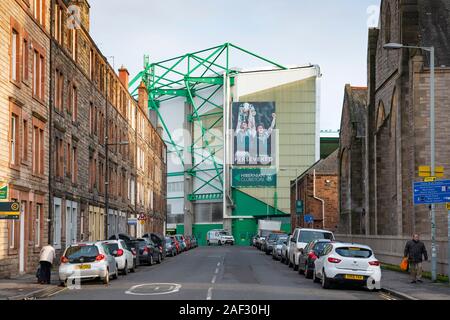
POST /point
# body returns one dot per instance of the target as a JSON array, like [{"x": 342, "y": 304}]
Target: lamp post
[{"x": 398, "y": 46}]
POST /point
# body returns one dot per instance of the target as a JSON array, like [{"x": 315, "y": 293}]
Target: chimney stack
[
  {"x": 124, "y": 76},
  {"x": 143, "y": 97}
]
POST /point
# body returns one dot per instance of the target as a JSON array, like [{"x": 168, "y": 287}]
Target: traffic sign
[
  {"x": 425, "y": 171},
  {"x": 309, "y": 218},
  {"x": 132, "y": 221},
  {"x": 429, "y": 179},
  {"x": 431, "y": 192},
  {"x": 142, "y": 217},
  {"x": 9, "y": 210},
  {"x": 3, "y": 191}
]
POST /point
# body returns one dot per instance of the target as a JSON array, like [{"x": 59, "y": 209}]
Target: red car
[{"x": 177, "y": 244}]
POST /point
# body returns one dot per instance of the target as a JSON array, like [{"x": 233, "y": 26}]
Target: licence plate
[
  {"x": 84, "y": 267},
  {"x": 353, "y": 277}
]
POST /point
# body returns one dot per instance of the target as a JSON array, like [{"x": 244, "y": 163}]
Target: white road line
[
  {"x": 208, "y": 297},
  {"x": 214, "y": 279},
  {"x": 217, "y": 271},
  {"x": 218, "y": 264}
]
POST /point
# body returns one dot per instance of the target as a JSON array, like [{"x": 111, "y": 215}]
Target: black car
[
  {"x": 171, "y": 249},
  {"x": 149, "y": 252},
  {"x": 271, "y": 242},
  {"x": 309, "y": 255},
  {"x": 159, "y": 240}
]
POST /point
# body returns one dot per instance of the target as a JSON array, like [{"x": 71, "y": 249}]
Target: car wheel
[
  {"x": 134, "y": 267},
  {"x": 106, "y": 278},
  {"x": 282, "y": 259},
  {"x": 325, "y": 281},
  {"x": 208, "y": 243},
  {"x": 300, "y": 270},
  {"x": 308, "y": 273},
  {"x": 295, "y": 267},
  {"x": 220, "y": 243},
  {"x": 159, "y": 259},
  {"x": 150, "y": 262},
  {"x": 315, "y": 279},
  {"x": 290, "y": 265},
  {"x": 63, "y": 283},
  {"x": 125, "y": 270}
]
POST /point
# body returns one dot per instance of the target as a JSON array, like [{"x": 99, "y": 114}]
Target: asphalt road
[{"x": 214, "y": 273}]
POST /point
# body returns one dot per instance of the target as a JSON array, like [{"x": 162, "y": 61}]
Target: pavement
[{"x": 219, "y": 273}]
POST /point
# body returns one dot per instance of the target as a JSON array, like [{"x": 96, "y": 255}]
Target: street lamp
[{"x": 397, "y": 46}]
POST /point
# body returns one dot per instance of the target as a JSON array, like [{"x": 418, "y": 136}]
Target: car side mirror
[
  {"x": 285, "y": 242},
  {"x": 292, "y": 240}
]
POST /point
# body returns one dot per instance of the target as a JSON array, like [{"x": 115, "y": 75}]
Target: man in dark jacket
[{"x": 414, "y": 251}]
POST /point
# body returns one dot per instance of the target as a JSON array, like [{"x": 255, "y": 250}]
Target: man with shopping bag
[{"x": 415, "y": 251}]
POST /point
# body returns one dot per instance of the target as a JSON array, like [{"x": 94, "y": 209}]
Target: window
[
  {"x": 24, "y": 140},
  {"x": 14, "y": 140},
  {"x": 38, "y": 72},
  {"x": 91, "y": 118},
  {"x": 59, "y": 158},
  {"x": 69, "y": 160},
  {"x": 73, "y": 102},
  {"x": 39, "y": 11},
  {"x": 59, "y": 23},
  {"x": 37, "y": 225},
  {"x": 92, "y": 173},
  {"x": 74, "y": 164},
  {"x": 73, "y": 43},
  {"x": 59, "y": 90},
  {"x": 38, "y": 146},
  {"x": 25, "y": 58},
  {"x": 356, "y": 252},
  {"x": 91, "y": 64},
  {"x": 308, "y": 236},
  {"x": 15, "y": 57}
]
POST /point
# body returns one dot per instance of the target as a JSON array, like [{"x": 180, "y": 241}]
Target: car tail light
[
  {"x": 146, "y": 250},
  {"x": 64, "y": 260},
  {"x": 119, "y": 252},
  {"x": 100, "y": 257},
  {"x": 312, "y": 255},
  {"x": 334, "y": 260},
  {"x": 375, "y": 263}
]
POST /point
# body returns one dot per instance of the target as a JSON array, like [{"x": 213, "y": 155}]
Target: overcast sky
[{"x": 330, "y": 33}]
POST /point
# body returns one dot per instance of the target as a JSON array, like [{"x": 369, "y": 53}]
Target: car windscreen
[
  {"x": 354, "y": 252},
  {"x": 224, "y": 233},
  {"x": 308, "y": 236},
  {"x": 112, "y": 247},
  {"x": 318, "y": 247},
  {"x": 273, "y": 236},
  {"x": 87, "y": 253}
]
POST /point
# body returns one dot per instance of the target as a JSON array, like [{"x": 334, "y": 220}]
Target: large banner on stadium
[{"x": 254, "y": 138}]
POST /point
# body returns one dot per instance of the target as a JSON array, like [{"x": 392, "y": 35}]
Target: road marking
[
  {"x": 214, "y": 279},
  {"x": 59, "y": 291},
  {"x": 387, "y": 297},
  {"x": 167, "y": 287},
  {"x": 217, "y": 271},
  {"x": 218, "y": 264},
  {"x": 209, "y": 296}
]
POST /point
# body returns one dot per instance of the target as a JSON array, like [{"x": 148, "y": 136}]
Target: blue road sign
[
  {"x": 309, "y": 218},
  {"x": 431, "y": 192}
]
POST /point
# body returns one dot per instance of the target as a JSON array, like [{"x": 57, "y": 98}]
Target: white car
[
  {"x": 85, "y": 261},
  {"x": 123, "y": 256},
  {"x": 300, "y": 239},
  {"x": 285, "y": 251},
  {"x": 347, "y": 262},
  {"x": 219, "y": 237}
]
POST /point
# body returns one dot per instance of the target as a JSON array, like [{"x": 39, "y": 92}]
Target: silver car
[
  {"x": 86, "y": 261},
  {"x": 285, "y": 251},
  {"x": 276, "y": 250}
]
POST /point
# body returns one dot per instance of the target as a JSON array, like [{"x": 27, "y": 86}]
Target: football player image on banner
[{"x": 254, "y": 124}]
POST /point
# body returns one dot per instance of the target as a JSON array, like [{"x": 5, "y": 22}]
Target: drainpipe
[{"x": 321, "y": 200}]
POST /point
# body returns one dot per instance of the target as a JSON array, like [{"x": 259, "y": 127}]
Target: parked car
[
  {"x": 309, "y": 255},
  {"x": 122, "y": 254},
  {"x": 194, "y": 242},
  {"x": 148, "y": 252},
  {"x": 171, "y": 249},
  {"x": 300, "y": 239},
  {"x": 131, "y": 244},
  {"x": 182, "y": 242},
  {"x": 177, "y": 244},
  {"x": 261, "y": 243},
  {"x": 271, "y": 242},
  {"x": 255, "y": 240},
  {"x": 86, "y": 261},
  {"x": 157, "y": 239},
  {"x": 276, "y": 251},
  {"x": 188, "y": 242},
  {"x": 285, "y": 250},
  {"x": 219, "y": 237},
  {"x": 347, "y": 263}
]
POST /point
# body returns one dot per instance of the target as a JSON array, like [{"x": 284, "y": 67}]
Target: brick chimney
[
  {"x": 84, "y": 11},
  {"x": 124, "y": 76},
  {"x": 143, "y": 97}
]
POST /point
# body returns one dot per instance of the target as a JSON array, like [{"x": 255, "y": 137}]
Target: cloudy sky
[{"x": 330, "y": 33}]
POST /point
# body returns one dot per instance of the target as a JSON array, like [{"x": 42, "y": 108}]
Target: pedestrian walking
[
  {"x": 415, "y": 251},
  {"x": 46, "y": 258}
]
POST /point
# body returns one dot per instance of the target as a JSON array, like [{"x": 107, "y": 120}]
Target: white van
[
  {"x": 219, "y": 237},
  {"x": 301, "y": 238}
]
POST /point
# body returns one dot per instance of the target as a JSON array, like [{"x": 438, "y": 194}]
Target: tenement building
[
  {"x": 397, "y": 131},
  {"x": 78, "y": 152},
  {"x": 107, "y": 158},
  {"x": 24, "y": 131}
]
